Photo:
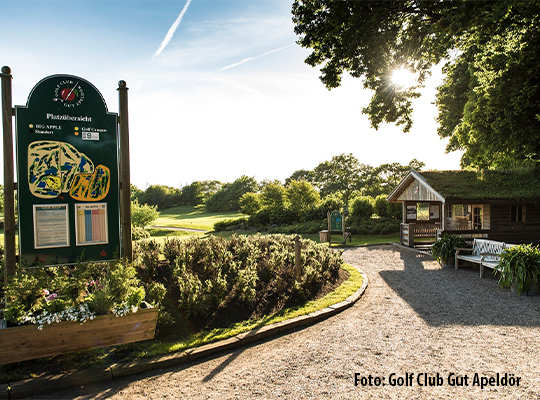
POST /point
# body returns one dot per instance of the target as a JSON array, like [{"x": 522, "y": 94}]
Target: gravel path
[{"x": 416, "y": 320}]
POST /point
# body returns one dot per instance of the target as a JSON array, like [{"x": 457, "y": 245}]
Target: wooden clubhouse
[{"x": 497, "y": 205}]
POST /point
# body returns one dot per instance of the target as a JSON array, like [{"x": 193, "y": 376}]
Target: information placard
[
  {"x": 336, "y": 221},
  {"x": 91, "y": 224},
  {"x": 51, "y": 226}
]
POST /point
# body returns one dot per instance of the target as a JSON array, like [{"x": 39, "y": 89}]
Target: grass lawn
[
  {"x": 161, "y": 235},
  {"x": 193, "y": 218},
  {"x": 337, "y": 241},
  {"x": 346, "y": 289}
]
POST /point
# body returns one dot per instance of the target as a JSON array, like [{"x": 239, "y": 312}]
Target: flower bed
[{"x": 57, "y": 310}]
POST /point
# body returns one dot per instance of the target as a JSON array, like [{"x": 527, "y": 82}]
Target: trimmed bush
[
  {"x": 362, "y": 207},
  {"x": 381, "y": 206},
  {"x": 230, "y": 224},
  {"x": 252, "y": 275},
  {"x": 375, "y": 226},
  {"x": 139, "y": 233}
]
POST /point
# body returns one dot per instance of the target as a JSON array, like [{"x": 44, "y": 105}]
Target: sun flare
[{"x": 403, "y": 78}]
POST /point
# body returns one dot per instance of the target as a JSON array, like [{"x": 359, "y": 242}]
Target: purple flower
[{"x": 51, "y": 297}]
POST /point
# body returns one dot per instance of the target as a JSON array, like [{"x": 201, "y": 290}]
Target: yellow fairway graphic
[
  {"x": 91, "y": 187},
  {"x": 58, "y": 167}
]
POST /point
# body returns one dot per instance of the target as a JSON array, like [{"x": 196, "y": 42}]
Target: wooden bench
[{"x": 485, "y": 252}]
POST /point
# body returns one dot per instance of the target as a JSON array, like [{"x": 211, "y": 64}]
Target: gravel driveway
[{"x": 437, "y": 332}]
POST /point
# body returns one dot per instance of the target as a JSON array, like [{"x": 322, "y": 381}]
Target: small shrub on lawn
[
  {"x": 139, "y": 233},
  {"x": 230, "y": 224},
  {"x": 375, "y": 226}
]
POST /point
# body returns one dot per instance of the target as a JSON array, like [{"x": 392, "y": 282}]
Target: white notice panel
[{"x": 51, "y": 226}]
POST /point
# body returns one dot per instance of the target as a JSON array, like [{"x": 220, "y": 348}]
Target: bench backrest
[{"x": 487, "y": 246}]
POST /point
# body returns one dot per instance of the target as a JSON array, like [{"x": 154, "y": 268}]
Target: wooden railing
[{"x": 412, "y": 234}]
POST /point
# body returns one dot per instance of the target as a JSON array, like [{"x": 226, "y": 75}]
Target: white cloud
[
  {"x": 245, "y": 60},
  {"x": 172, "y": 30}
]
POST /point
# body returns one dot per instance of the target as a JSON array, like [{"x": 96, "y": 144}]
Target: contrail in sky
[
  {"x": 245, "y": 60},
  {"x": 172, "y": 29}
]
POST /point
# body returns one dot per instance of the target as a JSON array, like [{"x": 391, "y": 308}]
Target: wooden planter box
[{"x": 27, "y": 342}]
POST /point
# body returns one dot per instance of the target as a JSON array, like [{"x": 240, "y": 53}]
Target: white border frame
[
  {"x": 84, "y": 206},
  {"x": 34, "y": 215}
]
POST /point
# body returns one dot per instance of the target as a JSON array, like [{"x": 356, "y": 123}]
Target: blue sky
[{"x": 226, "y": 94}]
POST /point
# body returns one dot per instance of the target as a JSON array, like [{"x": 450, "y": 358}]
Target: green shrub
[
  {"x": 395, "y": 211},
  {"x": 34, "y": 294},
  {"x": 374, "y": 226},
  {"x": 301, "y": 227},
  {"x": 381, "y": 206},
  {"x": 142, "y": 214},
  {"x": 519, "y": 265},
  {"x": 362, "y": 207},
  {"x": 445, "y": 248},
  {"x": 146, "y": 254},
  {"x": 139, "y": 233},
  {"x": 230, "y": 224},
  {"x": 246, "y": 271},
  {"x": 250, "y": 203}
]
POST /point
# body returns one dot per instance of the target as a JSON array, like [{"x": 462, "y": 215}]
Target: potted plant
[
  {"x": 444, "y": 249},
  {"x": 519, "y": 268}
]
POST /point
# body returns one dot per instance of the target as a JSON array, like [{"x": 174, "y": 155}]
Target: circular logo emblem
[{"x": 69, "y": 93}]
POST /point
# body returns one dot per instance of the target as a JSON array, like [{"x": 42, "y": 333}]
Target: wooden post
[
  {"x": 125, "y": 179},
  {"x": 297, "y": 258},
  {"x": 9, "y": 183},
  {"x": 329, "y": 228}
]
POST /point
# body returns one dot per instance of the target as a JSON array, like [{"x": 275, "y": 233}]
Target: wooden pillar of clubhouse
[
  {"x": 9, "y": 182},
  {"x": 125, "y": 179}
]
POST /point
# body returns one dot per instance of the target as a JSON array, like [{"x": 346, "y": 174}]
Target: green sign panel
[
  {"x": 336, "y": 221},
  {"x": 67, "y": 166}
]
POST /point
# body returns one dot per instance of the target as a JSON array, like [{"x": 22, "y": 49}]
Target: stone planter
[
  {"x": 27, "y": 342},
  {"x": 534, "y": 290},
  {"x": 448, "y": 263}
]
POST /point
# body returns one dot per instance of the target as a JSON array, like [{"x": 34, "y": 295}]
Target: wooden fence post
[
  {"x": 9, "y": 182},
  {"x": 125, "y": 179},
  {"x": 297, "y": 258}
]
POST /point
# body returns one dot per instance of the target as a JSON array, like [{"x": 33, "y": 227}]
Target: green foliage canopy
[
  {"x": 489, "y": 102},
  {"x": 228, "y": 197},
  {"x": 301, "y": 196},
  {"x": 142, "y": 214}
]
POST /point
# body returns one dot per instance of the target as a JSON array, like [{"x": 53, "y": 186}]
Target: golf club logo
[{"x": 69, "y": 93}]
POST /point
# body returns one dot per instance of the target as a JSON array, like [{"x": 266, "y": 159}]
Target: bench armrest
[{"x": 458, "y": 249}]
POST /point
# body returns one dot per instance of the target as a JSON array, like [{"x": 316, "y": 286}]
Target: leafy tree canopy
[
  {"x": 228, "y": 197},
  {"x": 489, "y": 102},
  {"x": 346, "y": 177}
]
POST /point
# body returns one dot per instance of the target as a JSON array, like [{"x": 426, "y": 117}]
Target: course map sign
[
  {"x": 67, "y": 166},
  {"x": 336, "y": 221}
]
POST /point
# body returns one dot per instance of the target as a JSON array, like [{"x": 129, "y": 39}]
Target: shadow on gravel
[{"x": 446, "y": 296}]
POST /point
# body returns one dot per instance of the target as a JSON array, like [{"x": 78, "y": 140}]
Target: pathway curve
[{"x": 416, "y": 319}]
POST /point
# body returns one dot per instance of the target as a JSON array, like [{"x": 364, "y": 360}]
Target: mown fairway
[{"x": 193, "y": 218}]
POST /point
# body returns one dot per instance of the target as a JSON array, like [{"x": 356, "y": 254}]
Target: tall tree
[
  {"x": 301, "y": 196},
  {"x": 342, "y": 174},
  {"x": 385, "y": 177},
  {"x": 491, "y": 50}
]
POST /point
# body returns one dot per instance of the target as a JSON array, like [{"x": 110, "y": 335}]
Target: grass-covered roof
[{"x": 521, "y": 185}]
